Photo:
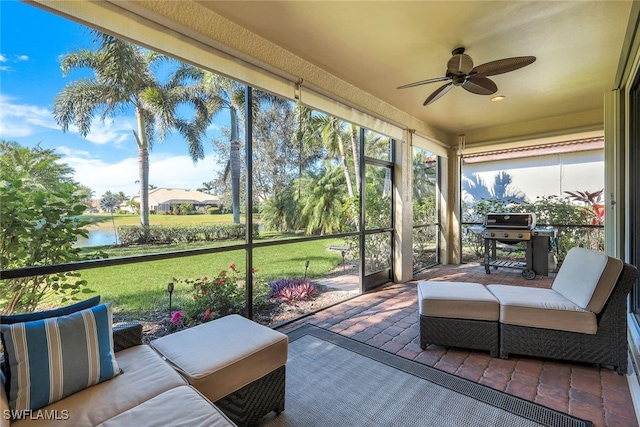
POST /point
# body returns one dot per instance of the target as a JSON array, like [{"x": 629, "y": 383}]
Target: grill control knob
[
  {"x": 519, "y": 235},
  {"x": 492, "y": 234},
  {"x": 505, "y": 234}
]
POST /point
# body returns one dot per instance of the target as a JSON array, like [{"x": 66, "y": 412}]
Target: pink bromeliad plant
[{"x": 293, "y": 289}]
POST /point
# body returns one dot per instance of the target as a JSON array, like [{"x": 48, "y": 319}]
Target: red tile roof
[{"x": 537, "y": 150}]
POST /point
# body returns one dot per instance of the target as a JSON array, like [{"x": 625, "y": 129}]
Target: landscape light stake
[
  {"x": 170, "y": 290},
  {"x": 306, "y": 267}
]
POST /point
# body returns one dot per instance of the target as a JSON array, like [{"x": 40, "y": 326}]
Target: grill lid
[{"x": 524, "y": 221}]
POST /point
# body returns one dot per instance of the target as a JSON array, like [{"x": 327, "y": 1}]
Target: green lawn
[{"x": 138, "y": 289}]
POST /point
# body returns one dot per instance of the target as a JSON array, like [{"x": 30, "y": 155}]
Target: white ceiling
[{"x": 380, "y": 45}]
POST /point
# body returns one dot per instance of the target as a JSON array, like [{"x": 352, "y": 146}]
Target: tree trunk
[
  {"x": 345, "y": 167},
  {"x": 143, "y": 168},
  {"x": 143, "y": 164},
  {"x": 356, "y": 156},
  {"x": 234, "y": 165}
]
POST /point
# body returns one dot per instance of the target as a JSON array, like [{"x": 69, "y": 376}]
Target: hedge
[{"x": 168, "y": 234}]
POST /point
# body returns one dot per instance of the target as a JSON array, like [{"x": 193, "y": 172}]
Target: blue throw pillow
[
  {"x": 52, "y": 358},
  {"x": 39, "y": 315}
]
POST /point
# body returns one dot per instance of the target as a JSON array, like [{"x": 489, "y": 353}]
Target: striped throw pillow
[{"x": 52, "y": 358}]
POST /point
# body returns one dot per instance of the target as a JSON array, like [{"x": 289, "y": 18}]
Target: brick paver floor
[{"x": 388, "y": 319}]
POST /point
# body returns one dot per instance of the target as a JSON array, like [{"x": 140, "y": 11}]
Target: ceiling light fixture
[{"x": 498, "y": 98}]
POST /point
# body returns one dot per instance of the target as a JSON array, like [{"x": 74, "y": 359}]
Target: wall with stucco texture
[{"x": 543, "y": 175}]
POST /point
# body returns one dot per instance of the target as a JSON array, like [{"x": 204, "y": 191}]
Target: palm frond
[
  {"x": 81, "y": 59},
  {"x": 77, "y": 103}
]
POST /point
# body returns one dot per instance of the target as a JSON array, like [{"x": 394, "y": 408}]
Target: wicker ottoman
[
  {"x": 237, "y": 364},
  {"x": 458, "y": 314}
]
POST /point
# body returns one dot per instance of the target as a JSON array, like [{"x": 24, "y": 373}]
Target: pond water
[{"x": 97, "y": 237}]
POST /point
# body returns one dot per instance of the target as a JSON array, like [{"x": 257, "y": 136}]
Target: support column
[
  {"x": 403, "y": 207},
  {"x": 614, "y": 167},
  {"x": 451, "y": 252}
]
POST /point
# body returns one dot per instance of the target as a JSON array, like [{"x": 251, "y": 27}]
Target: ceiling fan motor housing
[{"x": 460, "y": 79}]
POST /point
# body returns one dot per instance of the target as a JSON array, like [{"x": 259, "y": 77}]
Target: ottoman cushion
[
  {"x": 222, "y": 356},
  {"x": 459, "y": 300}
]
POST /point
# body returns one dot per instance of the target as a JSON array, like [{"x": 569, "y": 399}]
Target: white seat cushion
[
  {"x": 457, "y": 300},
  {"x": 587, "y": 278},
  {"x": 178, "y": 406},
  {"x": 542, "y": 308},
  {"x": 145, "y": 375}
]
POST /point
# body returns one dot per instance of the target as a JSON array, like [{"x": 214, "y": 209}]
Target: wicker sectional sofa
[
  {"x": 147, "y": 392},
  {"x": 228, "y": 372},
  {"x": 581, "y": 318}
]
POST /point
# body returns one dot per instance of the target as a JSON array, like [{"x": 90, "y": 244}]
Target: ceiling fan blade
[
  {"x": 503, "y": 65},
  {"x": 424, "y": 82},
  {"x": 480, "y": 85},
  {"x": 438, "y": 93},
  {"x": 460, "y": 64}
]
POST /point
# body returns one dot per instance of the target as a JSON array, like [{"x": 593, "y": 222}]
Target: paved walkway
[{"x": 388, "y": 319}]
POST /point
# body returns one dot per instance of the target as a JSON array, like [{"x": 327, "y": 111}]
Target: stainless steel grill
[{"x": 514, "y": 228}]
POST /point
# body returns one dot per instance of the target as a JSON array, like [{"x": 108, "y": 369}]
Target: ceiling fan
[{"x": 461, "y": 72}]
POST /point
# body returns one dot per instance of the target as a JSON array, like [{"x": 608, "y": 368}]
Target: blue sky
[{"x": 32, "y": 41}]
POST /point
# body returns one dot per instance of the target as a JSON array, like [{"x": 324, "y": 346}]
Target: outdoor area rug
[{"x": 332, "y": 380}]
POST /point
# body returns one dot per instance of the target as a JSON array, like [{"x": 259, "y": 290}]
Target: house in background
[
  {"x": 94, "y": 207},
  {"x": 536, "y": 171},
  {"x": 162, "y": 200}
]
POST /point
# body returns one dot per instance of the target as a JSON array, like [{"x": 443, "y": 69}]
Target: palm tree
[
  {"x": 41, "y": 167},
  {"x": 123, "y": 77},
  {"x": 323, "y": 199},
  {"x": 220, "y": 93},
  {"x": 355, "y": 150},
  {"x": 332, "y": 136},
  {"x": 207, "y": 187},
  {"x": 109, "y": 202}
]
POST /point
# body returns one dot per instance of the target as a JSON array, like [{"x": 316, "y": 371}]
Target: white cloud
[
  {"x": 111, "y": 131},
  {"x": 11, "y": 58},
  {"x": 18, "y": 120},
  {"x": 164, "y": 171},
  {"x": 70, "y": 152},
  {"x": 180, "y": 171}
]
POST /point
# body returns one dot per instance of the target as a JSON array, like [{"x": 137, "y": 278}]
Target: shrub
[
  {"x": 168, "y": 234},
  {"x": 39, "y": 227},
  {"x": 559, "y": 211},
  {"x": 214, "y": 210},
  {"x": 294, "y": 289},
  {"x": 219, "y": 296},
  {"x": 186, "y": 209}
]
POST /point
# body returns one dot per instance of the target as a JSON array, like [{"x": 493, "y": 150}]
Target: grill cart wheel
[{"x": 529, "y": 274}]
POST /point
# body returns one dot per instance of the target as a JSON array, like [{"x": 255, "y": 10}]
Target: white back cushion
[{"x": 582, "y": 273}]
